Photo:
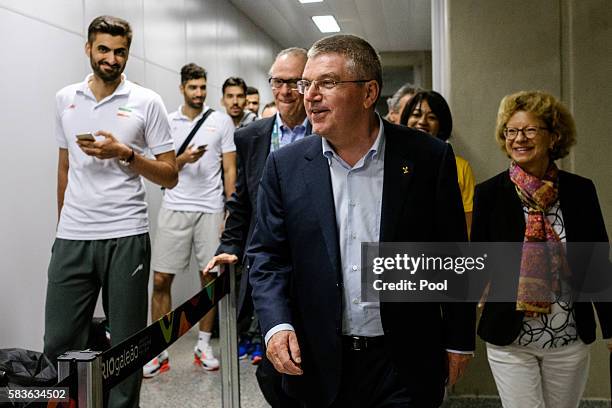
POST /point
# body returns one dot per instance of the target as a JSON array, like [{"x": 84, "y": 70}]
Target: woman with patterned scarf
[{"x": 537, "y": 347}]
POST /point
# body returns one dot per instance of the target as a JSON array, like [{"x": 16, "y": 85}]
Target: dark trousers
[
  {"x": 369, "y": 380},
  {"x": 77, "y": 272},
  {"x": 269, "y": 381}
]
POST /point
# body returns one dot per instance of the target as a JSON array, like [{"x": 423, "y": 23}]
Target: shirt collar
[
  {"x": 375, "y": 151},
  {"x": 181, "y": 116},
  {"x": 123, "y": 88},
  {"x": 281, "y": 125}
]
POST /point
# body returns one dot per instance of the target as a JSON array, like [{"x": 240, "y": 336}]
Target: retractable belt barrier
[
  {"x": 131, "y": 354},
  {"x": 90, "y": 374}
]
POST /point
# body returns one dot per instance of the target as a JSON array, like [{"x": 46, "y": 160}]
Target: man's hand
[
  {"x": 284, "y": 352},
  {"x": 191, "y": 154},
  {"x": 224, "y": 258},
  {"x": 108, "y": 148},
  {"x": 457, "y": 363}
]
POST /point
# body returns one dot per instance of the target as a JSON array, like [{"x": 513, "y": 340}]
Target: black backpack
[{"x": 26, "y": 368}]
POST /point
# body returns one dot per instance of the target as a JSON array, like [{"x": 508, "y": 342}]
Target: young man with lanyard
[
  {"x": 192, "y": 213},
  {"x": 103, "y": 126}
]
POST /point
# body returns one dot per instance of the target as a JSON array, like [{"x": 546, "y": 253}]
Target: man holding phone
[
  {"x": 103, "y": 126},
  {"x": 192, "y": 213}
]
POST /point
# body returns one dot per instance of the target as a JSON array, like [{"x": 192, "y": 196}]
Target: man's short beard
[
  {"x": 193, "y": 105},
  {"x": 106, "y": 77},
  {"x": 239, "y": 115}
]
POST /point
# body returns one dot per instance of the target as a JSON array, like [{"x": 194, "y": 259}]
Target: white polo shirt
[
  {"x": 200, "y": 187},
  {"x": 104, "y": 199}
]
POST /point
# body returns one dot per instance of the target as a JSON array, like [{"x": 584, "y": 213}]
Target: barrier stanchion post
[
  {"x": 65, "y": 366},
  {"x": 89, "y": 376},
  {"x": 228, "y": 341}
]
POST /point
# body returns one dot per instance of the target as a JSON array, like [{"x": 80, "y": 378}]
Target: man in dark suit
[
  {"x": 362, "y": 180},
  {"x": 253, "y": 144}
]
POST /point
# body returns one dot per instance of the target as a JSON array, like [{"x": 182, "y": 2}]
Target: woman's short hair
[
  {"x": 545, "y": 107},
  {"x": 438, "y": 106}
]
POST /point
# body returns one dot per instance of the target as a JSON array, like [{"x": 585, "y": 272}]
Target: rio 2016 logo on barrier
[{"x": 114, "y": 365}]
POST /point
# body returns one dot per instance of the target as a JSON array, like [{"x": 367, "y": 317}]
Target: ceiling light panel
[{"x": 326, "y": 24}]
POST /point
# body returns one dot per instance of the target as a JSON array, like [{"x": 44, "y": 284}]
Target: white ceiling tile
[{"x": 389, "y": 25}]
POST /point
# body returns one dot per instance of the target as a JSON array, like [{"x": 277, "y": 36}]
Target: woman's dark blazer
[{"x": 499, "y": 217}]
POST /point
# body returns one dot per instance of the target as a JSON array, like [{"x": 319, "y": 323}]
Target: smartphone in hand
[
  {"x": 201, "y": 147},
  {"x": 89, "y": 137}
]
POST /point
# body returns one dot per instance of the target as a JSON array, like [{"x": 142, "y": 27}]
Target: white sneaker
[
  {"x": 158, "y": 365},
  {"x": 205, "y": 358}
]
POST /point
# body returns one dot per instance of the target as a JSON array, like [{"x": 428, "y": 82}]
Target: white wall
[{"x": 42, "y": 50}]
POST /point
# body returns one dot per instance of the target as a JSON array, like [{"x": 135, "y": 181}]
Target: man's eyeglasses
[
  {"x": 277, "y": 83},
  {"x": 324, "y": 84},
  {"x": 511, "y": 133}
]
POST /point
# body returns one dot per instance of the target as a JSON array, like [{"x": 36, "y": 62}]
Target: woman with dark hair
[
  {"x": 537, "y": 344},
  {"x": 428, "y": 111}
]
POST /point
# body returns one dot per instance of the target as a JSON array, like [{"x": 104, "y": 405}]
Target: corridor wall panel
[
  {"x": 135, "y": 71},
  {"x": 45, "y": 53},
  {"x": 164, "y": 33},
  {"x": 42, "y": 60},
  {"x": 66, "y": 14},
  {"x": 591, "y": 90},
  {"x": 489, "y": 59},
  {"x": 201, "y": 34}
]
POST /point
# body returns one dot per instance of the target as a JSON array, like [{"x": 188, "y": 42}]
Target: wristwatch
[{"x": 129, "y": 160}]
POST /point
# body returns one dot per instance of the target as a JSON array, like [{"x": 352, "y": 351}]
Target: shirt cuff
[
  {"x": 461, "y": 352},
  {"x": 276, "y": 329},
  {"x": 162, "y": 148}
]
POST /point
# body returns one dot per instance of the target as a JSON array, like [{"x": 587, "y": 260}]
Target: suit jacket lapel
[
  {"x": 261, "y": 143},
  {"x": 320, "y": 193},
  {"x": 262, "y": 139},
  {"x": 260, "y": 149},
  {"x": 398, "y": 174}
]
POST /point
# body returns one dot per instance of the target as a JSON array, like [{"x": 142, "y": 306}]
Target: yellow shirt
[{"x": 465, "y": 178}]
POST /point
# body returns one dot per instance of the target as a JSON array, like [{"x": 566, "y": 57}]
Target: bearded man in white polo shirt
[
  {"x": 103, "y": 126},
  {"x": 192, "y": 213}
]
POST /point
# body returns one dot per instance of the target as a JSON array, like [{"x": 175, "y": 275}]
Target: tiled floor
[
  {"x": 185, "y": 385},
  {"x": 493, "y": 402}
]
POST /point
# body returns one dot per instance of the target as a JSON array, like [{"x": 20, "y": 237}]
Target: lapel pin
[{"x": 405, "y": 170}]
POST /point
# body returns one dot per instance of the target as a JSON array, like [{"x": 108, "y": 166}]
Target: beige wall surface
[
  {"x": 591, "y": 90},
  {"x": 564, "y": 47},
  {"x": 496, "y": 48}
]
